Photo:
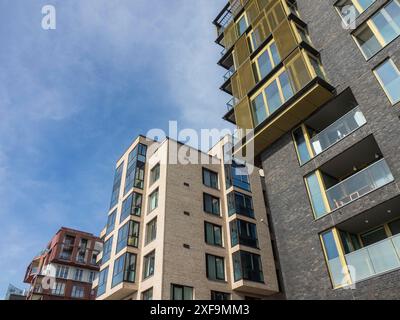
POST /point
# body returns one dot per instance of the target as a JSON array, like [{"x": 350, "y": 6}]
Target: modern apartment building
[
  {"x": 66, "y": 269},
  {"x": 14, "y": 293},
  {"x": 182, "y": 230},
  {"x": 319, "y": 83}
]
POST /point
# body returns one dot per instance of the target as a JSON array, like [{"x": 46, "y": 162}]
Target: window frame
[
  {"x": 205, "y": 195},
  {"x": 210, "y": 172},
  {"x": 378, "y": 77},
  {"x": 213, "y": 225}
]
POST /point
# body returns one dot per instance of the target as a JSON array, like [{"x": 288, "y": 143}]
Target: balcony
[
  {"x": 375, "y": 259},
  {"x": 365, "y": 181},
  {"x": 338, "y": 130}
]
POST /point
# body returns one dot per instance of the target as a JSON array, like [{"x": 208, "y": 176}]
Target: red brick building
[{"x": 66, "y": 269}]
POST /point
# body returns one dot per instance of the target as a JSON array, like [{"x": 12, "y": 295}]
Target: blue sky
[{"x": 72, "y": 99}]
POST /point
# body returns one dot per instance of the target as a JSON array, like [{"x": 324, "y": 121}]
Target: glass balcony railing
[
  {"x": 373, "y": 177},
  {"x": 375, "y": 259},
  {"x": 229, "y": 74},
  {"x": 338, "y": 130},
  {"x": 231, "y": 104}
]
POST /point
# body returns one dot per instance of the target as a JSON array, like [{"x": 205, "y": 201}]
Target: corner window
[
  {"x": 101, "y": 289},
  {"x": 220, "y": 296},
  {"x": 244, "y": 233},
  {"x": 107, "y": 250},
  {"x": 124, "y": 269},
  {"x": 247, "y": 266},
  {"x": 132, "y": 205},
  {"x": 239, "y": 203},
  {"x": 128, "y": 235},
  {"x": 116, "y": 186},
  {"x": 389, "y": 77}
]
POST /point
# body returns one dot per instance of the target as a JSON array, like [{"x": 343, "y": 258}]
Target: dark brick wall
[{"x": 303, "y": 266}]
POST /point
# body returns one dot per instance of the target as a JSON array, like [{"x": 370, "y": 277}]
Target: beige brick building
[{"x": 185, "y": 231}]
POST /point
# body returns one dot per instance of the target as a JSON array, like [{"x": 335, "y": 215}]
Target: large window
[
  {"x": 111, "y": 222},
  {"x": 301, "y": 145},
  {"x": 78, "y": 275},
  {"x": 266, "y": 61},
  {"x": 220, "y": 296},
  {"x": 148, "y": 266},
  {"x": 247, "y": 266},
  {"x": 107, "y": 250},
  {"x": 389, "y": 77},
  {"x": 269, "y": 100},
  {"x": 128, "y": 235},
  {"x": 132, "y": 205},
  {"x": 155, "y": 174},
  {"x": 316, "y": 194},
  {"x": 242, "y": 24},
  {"x": 215, "y": 267},
  {"x": 136, "y": 167},
  {"x": 148, "y": 294},
  {"x": 244, "y": 233},
  {"x": 179, "y": 292},
  {"x": 210, "y": 179},
  {"x": 78, "y": 292},
  {"x": 151, "y": 231},
  {"x": 213, "y": 234},
  {"x": 153, "y": 201},
  {"x": 351, "y": 9},
  {"x": 62, "y": 272},
  {"x": 211, "y": 204},
  {"x": 239, "y": 203},
  {"x": 58, "y": 289},
  {"x": 101, "y": 289},
  {"x": 124, "y": 269},
  {"x": 380, "y": 30},
  {"x": 116, "y": 185}
]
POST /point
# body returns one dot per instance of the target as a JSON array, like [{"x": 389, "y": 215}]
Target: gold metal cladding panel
[
  {"x": 252, "y": 11},
  {"x": 285, "y": 39},
  {"x": 276, "y": 15},
  {"x": 263, "y": 3},
  {"x": 230, "y": 35},
  {"x": 243, "y": 114},
  {"x": 242, "y": 50},
  {"x": 299, "y": 74},
  {"x": 236, "y": 92},
  {"x": 246, "y": 78}
]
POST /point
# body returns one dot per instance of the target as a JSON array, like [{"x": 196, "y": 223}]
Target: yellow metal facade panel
[
  {"x": 243, "y": 114},
  {"x": 285, "y": 39},
  {"x": 246, "y": 76},
  {"x": 242, "y": 51}
]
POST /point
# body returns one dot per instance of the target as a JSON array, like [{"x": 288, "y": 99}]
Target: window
[
  {"x": 351, "y": 9},
  {"x": 269, "y": 100},
  {"x": 301, "y": 145},
  {"x": 333, "y": 259},
  {"x": 155, "y": 174},
  {"x": 247, "y": 266},
  {"x": 239, "y": 203},
  {"x": 380, "y": 30},
  {"x": 220, "y": 296},
  {"x": 153, "y": 201},
  {"x": 107, "y": 250},
  {"x": 181, "y": 292},
  {"x": 213, "y": 234},
  {"x": 211, "y": 204},
  {"x": 316, "y": 195},
  {"x": 124, "y": 269},
  {"x": 78, "y": 275},
  {"x": 215, "y": 267},
  {"x": 266, "y": 61},
  {"x": 151, "y": 231},
  {"x": 242, "y": 24},
  {"x": 237, "y": 176},
  {"x": 132, "y": 205},
  {"x": 210, "y": 179},
  {"x": 111, "y": 222},
  {"x": 116, "y": 186},
  {"x": 148, "y": 268},
  {"x": 136, "y": 166},
  {"x": 389, "y": 77},
  {"x": 62, "y": 272},
  {"x": 59, "y": 289},
  {"x": 128, "y": 235},
  {"x": 92, "y": 276},
  {"x": 148, "y": 294},
  {"x": 101, "y": 289},
  {"x": 244, "y": 233},
  {"x": 78, "y": 292}
]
